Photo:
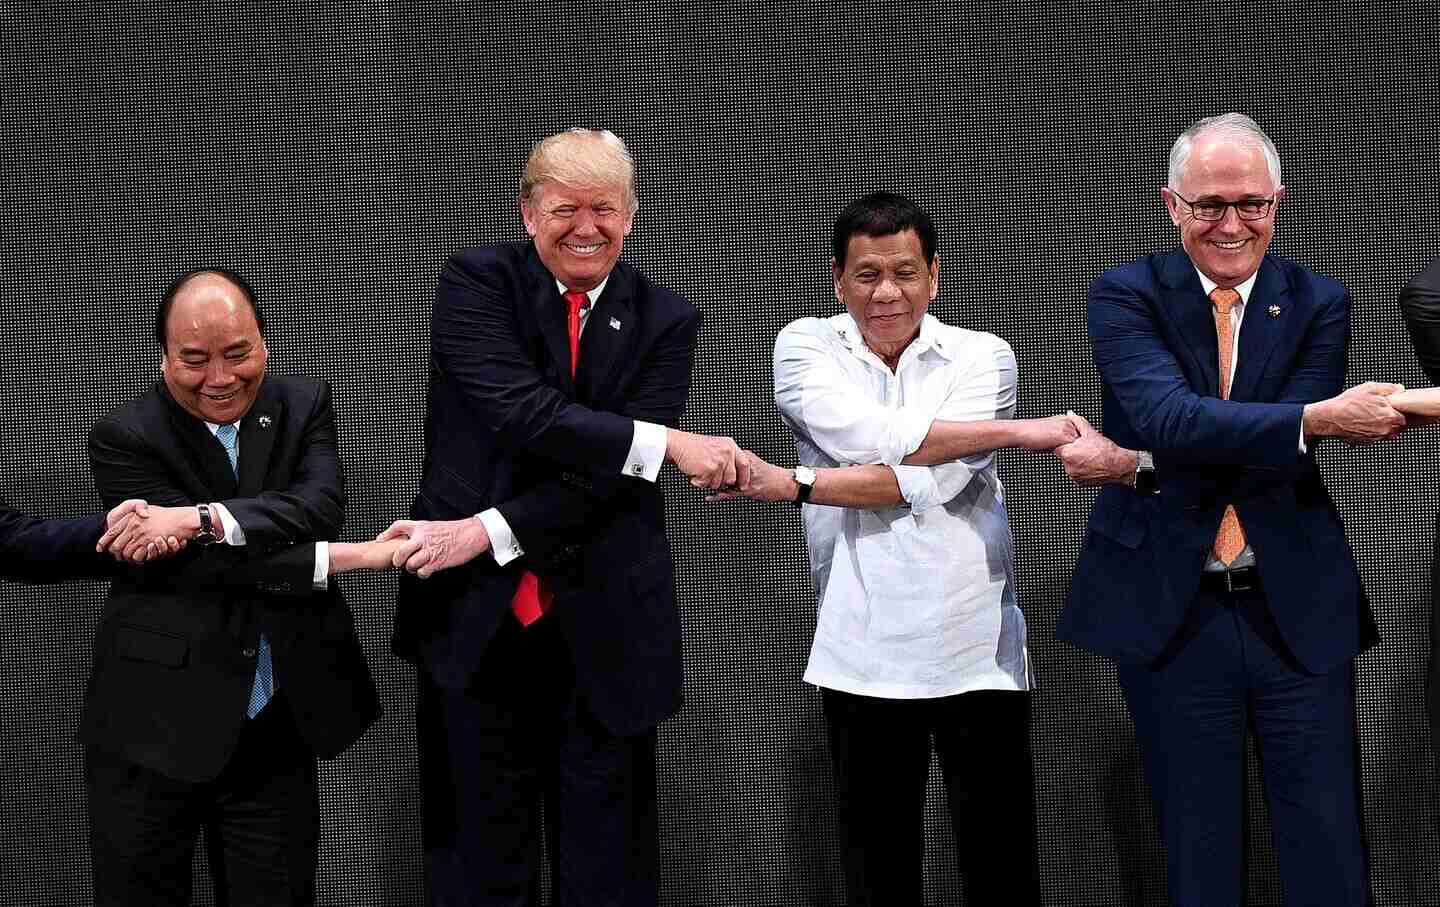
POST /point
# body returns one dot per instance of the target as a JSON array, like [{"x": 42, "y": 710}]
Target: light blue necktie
[{"x": 264, "y": 687}]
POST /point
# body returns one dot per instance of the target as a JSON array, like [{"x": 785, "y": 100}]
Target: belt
[{"x": 1241, "y": 579}]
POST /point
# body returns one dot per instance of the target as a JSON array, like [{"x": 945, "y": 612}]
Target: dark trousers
[
  {"x": 261, "y": 819},
  {"x": 881, "y": 751},
  {"x": 519, "y": 734},
  {"x": 1227, "y": 668}
]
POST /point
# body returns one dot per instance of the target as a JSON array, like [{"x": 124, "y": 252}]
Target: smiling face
[
  {"x": 886, "y": 286},
  {"x": 578, "y": 230},
  {"x": 214, "y": 357},
  {"x": 1224, "y": 168}
]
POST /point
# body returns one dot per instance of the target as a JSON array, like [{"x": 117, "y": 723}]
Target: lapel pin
[
  {"x": 265, "y": 420},
  {"x": 1273, "y": 311},
  {"x": 614, "y": 324}
]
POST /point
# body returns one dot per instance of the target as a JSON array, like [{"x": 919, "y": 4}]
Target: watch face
[{"x": 804, "y": 475}]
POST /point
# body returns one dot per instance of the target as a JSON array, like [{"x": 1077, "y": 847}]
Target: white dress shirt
[
  {"x": 646, "y": 456},
  {"x": 916, "y": 601}
]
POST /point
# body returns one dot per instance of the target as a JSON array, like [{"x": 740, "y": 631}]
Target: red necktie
[
  {"x": 533, "y": 596},
  {"x": 1230, "y": 539}
]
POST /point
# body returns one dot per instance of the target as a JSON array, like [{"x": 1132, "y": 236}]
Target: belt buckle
[{"x": 1237, "y": 585}]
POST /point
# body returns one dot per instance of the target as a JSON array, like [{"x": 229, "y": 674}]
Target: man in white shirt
[{"x": 896, "y": 419}]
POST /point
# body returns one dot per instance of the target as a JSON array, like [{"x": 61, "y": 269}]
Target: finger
[
  {"x": 398, "y": 529},
  {"x": 109, "y": 537},
  {"x": 417, "y": 560},
  {"x": 723, "y": 496},
  {"x": 727, "y": 475},
  {"x": 1081, "y": 424},
  {"x": 745, "y": 469},
  {"x": 403, "y": 552}
]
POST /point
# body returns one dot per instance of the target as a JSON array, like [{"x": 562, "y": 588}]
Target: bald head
[{"x": 213, "y": 346}]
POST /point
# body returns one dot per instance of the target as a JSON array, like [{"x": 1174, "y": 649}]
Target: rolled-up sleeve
[
  {"x": 812, "y": 392},
  {"x": 984, "y": 392}
]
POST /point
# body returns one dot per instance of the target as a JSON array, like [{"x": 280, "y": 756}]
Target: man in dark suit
[
  {"x": 557, "y": 374},
  {"x": 1420, "y": 303},
  {"x": 1220, "y": 581},
  {"x": 210, "y": 702}
]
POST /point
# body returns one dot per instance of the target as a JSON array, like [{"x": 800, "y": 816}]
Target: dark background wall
[{"x": 337, "y": 152}]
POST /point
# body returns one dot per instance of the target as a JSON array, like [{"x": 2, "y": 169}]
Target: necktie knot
[
  {"x": 1224, "y": 299},
  {"x": 576, "y": 300}
]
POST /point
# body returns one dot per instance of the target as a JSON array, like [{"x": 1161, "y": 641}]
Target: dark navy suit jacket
[
  {"x": 1153, "y": 333},
  {"x": 46, "y": 551},
  {"x": 507, "y": 427}
]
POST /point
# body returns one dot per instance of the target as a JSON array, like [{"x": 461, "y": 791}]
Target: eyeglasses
[{"x": 1245, "y": 209}]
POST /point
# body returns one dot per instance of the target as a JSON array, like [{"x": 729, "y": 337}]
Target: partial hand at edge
[{"x": 376, "y": 555}]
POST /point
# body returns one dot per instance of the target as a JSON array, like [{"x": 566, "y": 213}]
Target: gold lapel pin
[{"x": 1273, "y": 311}]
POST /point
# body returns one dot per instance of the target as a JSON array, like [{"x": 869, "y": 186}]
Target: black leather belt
[{"x": 1241, "y": 579}]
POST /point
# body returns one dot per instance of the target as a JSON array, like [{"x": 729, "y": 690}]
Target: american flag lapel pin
[{"x": 614, "y": 324}]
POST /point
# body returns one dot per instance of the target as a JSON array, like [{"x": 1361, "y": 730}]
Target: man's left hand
[
  {"x": 434, "y": 545},
  {"x": 763, "y": 482}
]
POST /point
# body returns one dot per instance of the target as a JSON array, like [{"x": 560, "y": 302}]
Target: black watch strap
[{"x": 206, "y": 535}]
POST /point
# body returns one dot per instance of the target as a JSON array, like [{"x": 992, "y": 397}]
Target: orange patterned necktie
[
  {"x": 534, "y": 596},
  {"x": 1230, "y": 539}
]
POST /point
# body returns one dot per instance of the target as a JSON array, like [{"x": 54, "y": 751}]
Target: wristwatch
[
  {"x": 206, "y": 535},
  {"x": 805, "y": 478},
  {"x": 1146, "y": 481}
]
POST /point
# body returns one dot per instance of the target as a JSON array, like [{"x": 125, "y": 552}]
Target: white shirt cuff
[
  {"x": 647, "y": 451},
  {"x": 234, "y": 535},
  {"x": 1303, "y": 449},
  {"x": 321, "y": 580},
  {"x": 906, "y": 433},
  {"x": 502, "y": 538}
]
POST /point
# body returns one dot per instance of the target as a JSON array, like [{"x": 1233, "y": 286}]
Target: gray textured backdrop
[{"x": 338, "y": 152}]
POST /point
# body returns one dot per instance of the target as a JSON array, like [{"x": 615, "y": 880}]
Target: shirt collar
[
  {"x": 214, "y": 427},
  {"x": 594, "y": 294},
  {"x": 928, "y": 339},
  {"x": 1243, "y": 289}
]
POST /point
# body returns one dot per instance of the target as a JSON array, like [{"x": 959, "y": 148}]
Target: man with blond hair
[
  {"x": 1218, "y": 577},
  {"x": 550, "y": 650}
]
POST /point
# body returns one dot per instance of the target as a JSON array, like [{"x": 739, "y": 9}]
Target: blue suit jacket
[
  {"x": 1153, "y": 334},
  {"x": 506, "y": 426}
]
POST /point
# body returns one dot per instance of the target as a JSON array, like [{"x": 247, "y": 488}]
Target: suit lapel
[
  {"x": 1260, "y": 330},
  {"x": 546, "y": 313},
  {"x": 1189, "y": 310},
  {"x": 257, "y": 439},
  {"x": 607, "y": 332},
  {"x": 206, "y": 452}
]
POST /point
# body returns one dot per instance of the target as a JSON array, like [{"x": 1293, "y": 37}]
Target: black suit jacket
[
  {"x": 507, "y": 427},
  {"x": 175, "y": 653},
  {"x": 46, "y": 551},
  {"x": 1420, "y": 303}
]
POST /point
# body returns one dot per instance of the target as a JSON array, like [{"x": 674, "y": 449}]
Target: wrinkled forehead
[{"x": 553, "y": 192}]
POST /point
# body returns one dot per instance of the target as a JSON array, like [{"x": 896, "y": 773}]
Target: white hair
[{"x": 1234, "y": 124}]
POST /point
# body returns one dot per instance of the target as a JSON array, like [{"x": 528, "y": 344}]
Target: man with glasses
[{"x": 1218, "y": 577}]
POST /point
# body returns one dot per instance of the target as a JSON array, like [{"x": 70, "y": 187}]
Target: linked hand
[
  {"x": 1361, "y": 415},
  {"x": 764, "y": 482},
  {"x": 1093, "y": 459},
  {"x": 432, "y": 545},
  {"x": 710, "y": 461},
  {"x": 136, "y": 532},
  {"x": 1045, "y": 434}
]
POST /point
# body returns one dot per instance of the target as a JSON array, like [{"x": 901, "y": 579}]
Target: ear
[
  {"x": 1171, "y": 204},
  {"x": 630, "y": 219},
  {"x": 837, "y": 272},
  {"x": 934, "y": 278},
  {"x": 1279, "y": 197},
  {"x": 528, "y": 214}
]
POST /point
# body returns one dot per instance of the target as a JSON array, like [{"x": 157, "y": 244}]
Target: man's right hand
[
  {"x": 1361, "y": 415},
  {"x": 1044, "y": 434},
  {"x": 709, "y": 461},
  {"x": 136, "y": 532}
]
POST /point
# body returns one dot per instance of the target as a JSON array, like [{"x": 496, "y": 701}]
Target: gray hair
[
  {"x": 581, "y": 157},
  {"x": 1234, "y": 124}
]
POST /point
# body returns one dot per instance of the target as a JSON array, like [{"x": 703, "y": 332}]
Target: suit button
[{"x": 248, "y": 653}]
